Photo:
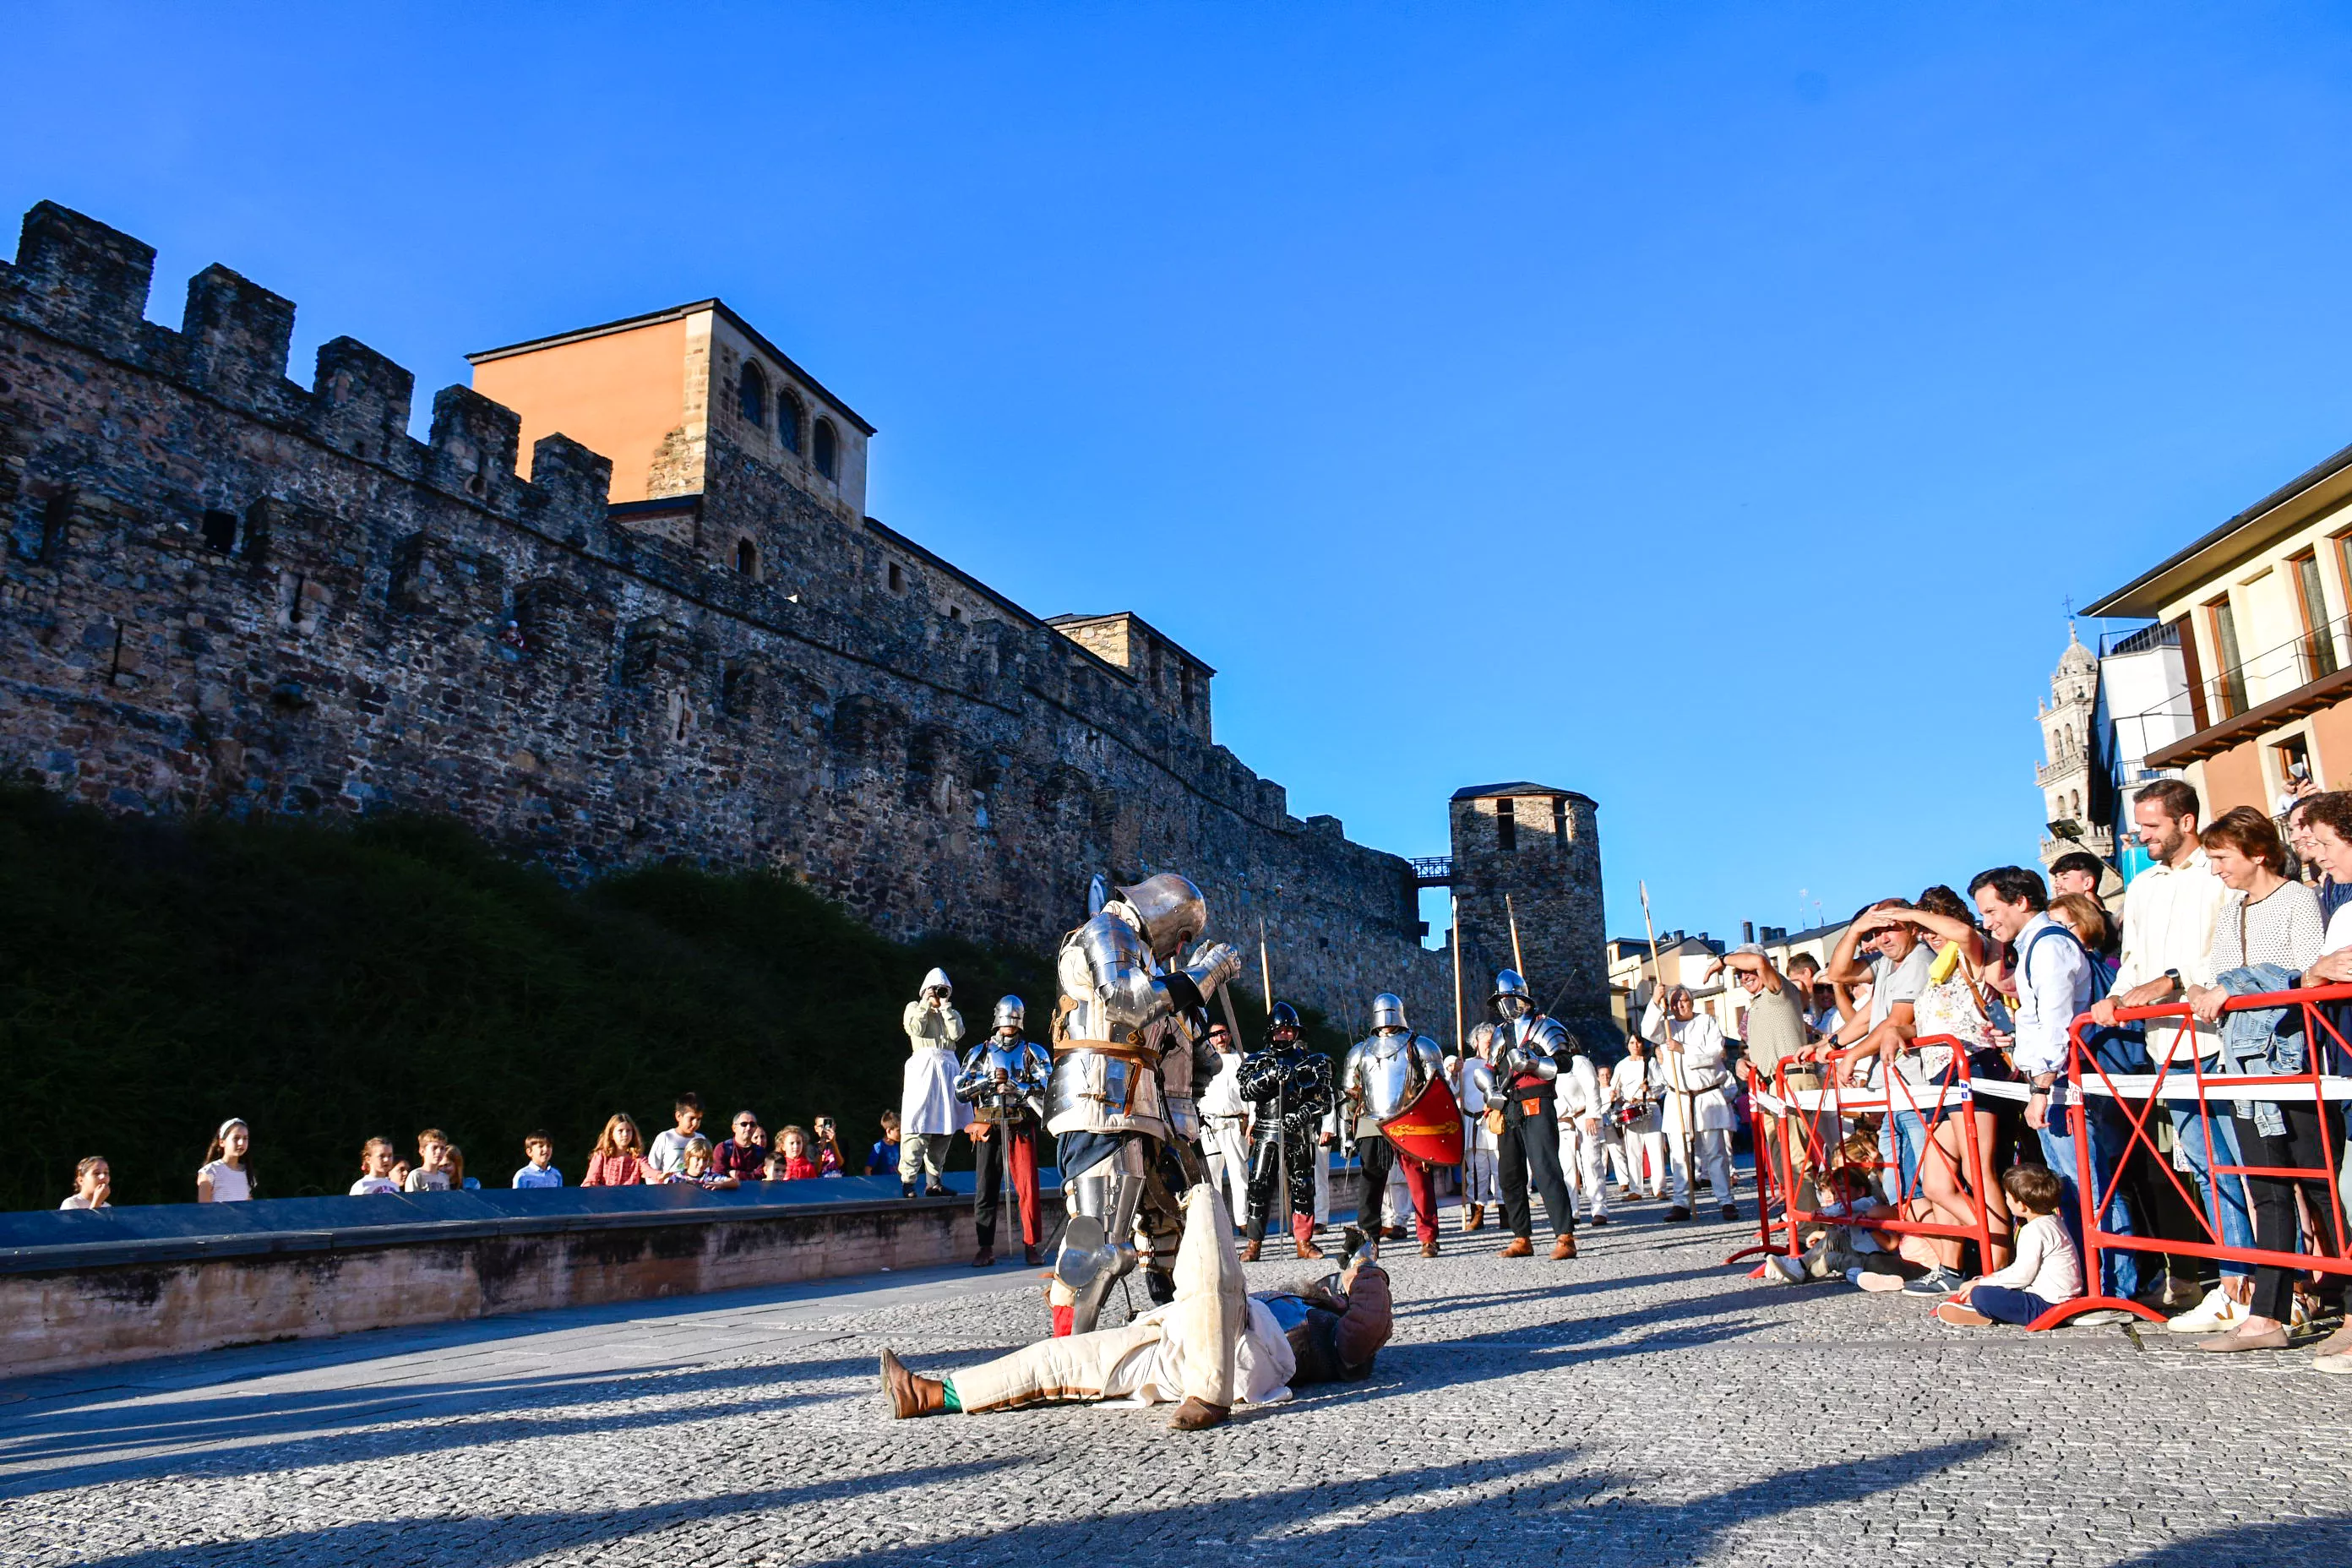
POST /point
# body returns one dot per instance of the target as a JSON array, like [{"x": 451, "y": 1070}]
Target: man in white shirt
[
  {"x": 1224, "y": 1125},
  {"x": 2168, "y": 914},
  {"x": 1474, "y": 1086},
  {"x": 2053, "y": 987},
  {"x": 1581, "y": 1106}
]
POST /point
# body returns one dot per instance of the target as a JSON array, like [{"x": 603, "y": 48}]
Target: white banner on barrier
[{"x": 2127, "y": 1086}]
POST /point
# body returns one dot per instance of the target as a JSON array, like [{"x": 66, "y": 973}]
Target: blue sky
[{"x": 1705, "y": 408}]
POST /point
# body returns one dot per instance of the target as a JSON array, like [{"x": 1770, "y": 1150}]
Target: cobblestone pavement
[{"x": 1642, "y": 1404}]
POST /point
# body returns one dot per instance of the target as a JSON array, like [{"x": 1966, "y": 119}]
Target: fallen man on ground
[{"x": 1211, "y": 1347}]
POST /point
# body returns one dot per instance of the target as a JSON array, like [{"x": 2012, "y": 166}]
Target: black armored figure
[{"x": 1288, "y": 1087}]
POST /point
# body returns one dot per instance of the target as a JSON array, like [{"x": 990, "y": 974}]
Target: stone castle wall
[{"x": 221, "y": 592}]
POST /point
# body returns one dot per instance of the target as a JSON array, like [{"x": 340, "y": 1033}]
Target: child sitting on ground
[
  {"x": 2046, "y": 1270},
  {"x": 1852, "y": 1250},
  {"x": 790, "y": 1162}
]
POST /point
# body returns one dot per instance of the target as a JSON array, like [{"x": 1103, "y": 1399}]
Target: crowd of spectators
[
  {"x": 620, "y": 1158},
  {"x": 1918, "y": 995}
]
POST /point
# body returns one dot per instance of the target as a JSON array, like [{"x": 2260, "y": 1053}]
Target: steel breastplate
[{"x": 1387, "y": 1075}]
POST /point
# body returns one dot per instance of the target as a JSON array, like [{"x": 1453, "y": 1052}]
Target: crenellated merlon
[{"x": 81, "y": 281}]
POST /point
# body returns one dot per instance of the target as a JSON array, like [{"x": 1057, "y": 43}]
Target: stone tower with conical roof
[{"x": 2072, "y": 781}]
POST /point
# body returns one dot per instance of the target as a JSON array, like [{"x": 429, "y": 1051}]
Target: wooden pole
[
  {"x": 1461, "y": 1045},
  {"x": 1460, "y": 1052},
  {"x": 1518, "y": 963},
  {"x": 1265, "y": 969}
]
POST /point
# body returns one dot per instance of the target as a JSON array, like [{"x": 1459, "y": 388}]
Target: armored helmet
[
  {"x": 937, "y": 980},
  {"x": 1011, "y": 1010},
  {"x": 1509, "y": 988},
  {"x": 1172, "y": 911},
  {"x": 1388, "y": 1012},
  {"x": 1284, "y": 1016}
]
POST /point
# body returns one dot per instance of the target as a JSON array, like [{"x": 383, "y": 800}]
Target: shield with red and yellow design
[{"x": 1429, "y": 1128}]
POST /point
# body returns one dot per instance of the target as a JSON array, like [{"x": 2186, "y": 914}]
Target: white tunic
[
  {"x": 1698, "y": 1079},
  {"x": 1473, "y": 1087},
  {"x": 927, "y": 1107},
  {"x": 1578, "y": 1089}
]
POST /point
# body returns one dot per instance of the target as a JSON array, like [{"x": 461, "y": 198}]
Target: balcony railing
[
  {"x": 2045, "y": 773},
  {"x": 2163, "y": 634},
  {"x": 2275, "y": 672}
]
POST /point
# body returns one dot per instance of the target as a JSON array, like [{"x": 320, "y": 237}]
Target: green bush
[
  {"x": 330, "y": 983},
  {"x": 333, "y": 982}
]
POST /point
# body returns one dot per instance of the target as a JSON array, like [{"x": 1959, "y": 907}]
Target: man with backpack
[
  {"x": 2168, "y": 946},
  {"x": 2056, "y": 982}
]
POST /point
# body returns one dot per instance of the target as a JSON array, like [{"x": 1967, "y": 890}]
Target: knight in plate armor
[
  {"x": 1289, "y": 1084},
  {"x": 1003, "y": 1080},
  {"x": 1530, "y": 1049},
  {"x": 1386, "y": 1073},
  {"x": 1127, "y": 1034}
]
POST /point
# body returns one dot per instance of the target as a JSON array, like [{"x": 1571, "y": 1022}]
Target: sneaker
[
  {"x": 2217, "y": 1311},
  {"x": 2333, "y": 1365},
  {"x": 1868, "y": 1279},
  {"x": 1960, "y": 1315},
  {"x": 1935, "y": 1282},
  {"x": 1779, "y": 1271}
]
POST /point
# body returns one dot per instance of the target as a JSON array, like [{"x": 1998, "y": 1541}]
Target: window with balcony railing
[
  {"x": 2311, "y": 599},
  {"x": 2229, "y": 688}
]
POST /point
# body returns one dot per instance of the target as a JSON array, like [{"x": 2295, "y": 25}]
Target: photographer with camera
[{"x": 1003, "y": 1080}]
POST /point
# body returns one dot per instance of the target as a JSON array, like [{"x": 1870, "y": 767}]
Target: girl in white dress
[{"x": 226, "y": 1174}]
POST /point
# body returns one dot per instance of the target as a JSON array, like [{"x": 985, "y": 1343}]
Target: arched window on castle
[
  {"x": 753, "y": 401},
  {"x": 789, "y": 415},
  {"x": 828, "y": 450},
  {"x": 747, "y": 558}
]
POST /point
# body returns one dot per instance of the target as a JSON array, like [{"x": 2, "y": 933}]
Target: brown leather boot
[
  {"x": 1563, "y": 1248},
  {"x": 909, "y": 1395},
  {"x": 1520, "y": 1248},
  {"x": 985, "y": 1258},
  {"x": 1429, "y": 1249},
  {"x": 1477, "y": 1217},
  {"x": 1251, "y": 1249},
  {"x": 1198, "y": 1414},
  {"x": 1308, "y": 1249},
  {"x": 1031, "y": 1257}
]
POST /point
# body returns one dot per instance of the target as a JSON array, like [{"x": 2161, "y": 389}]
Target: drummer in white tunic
[
  {"x": 1696, "y": 1076},
  {"x": 929, "y": 1114}
]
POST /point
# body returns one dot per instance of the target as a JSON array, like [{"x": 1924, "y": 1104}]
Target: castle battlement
[{"x": 220, "y": 592}]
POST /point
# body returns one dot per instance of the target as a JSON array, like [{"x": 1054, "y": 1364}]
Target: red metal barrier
[
  {"x": 1807, "y": 1113},
  {"x": 2085, "y": 1074}
]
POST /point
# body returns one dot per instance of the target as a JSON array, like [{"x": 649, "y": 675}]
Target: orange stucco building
[{"x": 2263, "y": 610}]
